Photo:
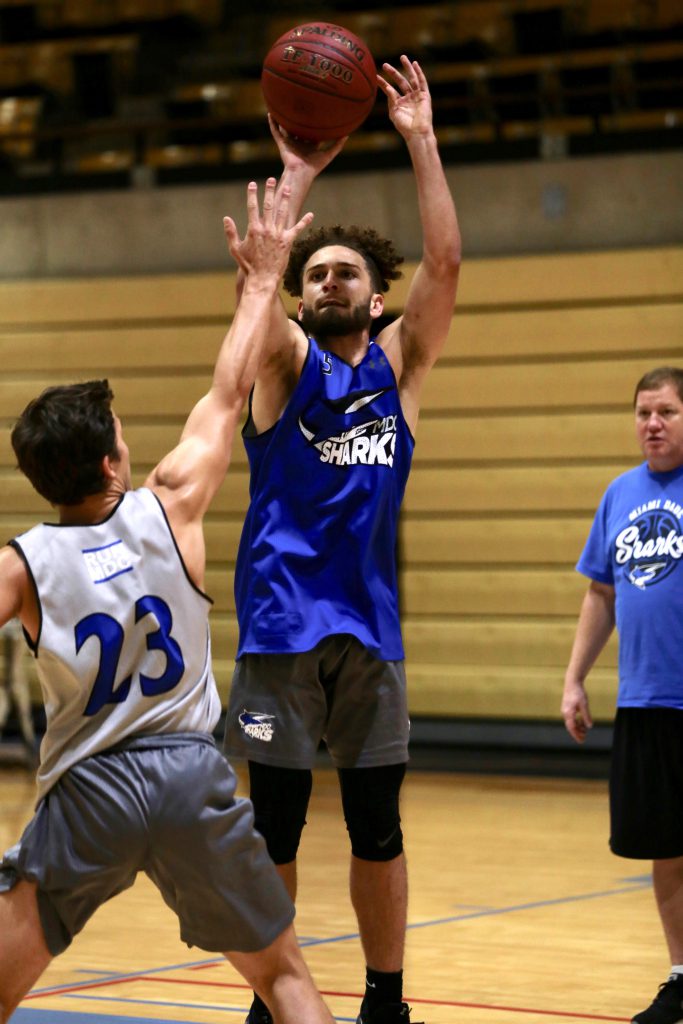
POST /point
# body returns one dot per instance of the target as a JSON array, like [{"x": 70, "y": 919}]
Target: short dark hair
[
  {"x": 381, "y": 258},
  {"x": 61, "y": 438},
  {"x": 655, "y": 379}
]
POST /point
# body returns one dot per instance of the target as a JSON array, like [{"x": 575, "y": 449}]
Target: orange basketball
[{"x": 319, "y": 81}]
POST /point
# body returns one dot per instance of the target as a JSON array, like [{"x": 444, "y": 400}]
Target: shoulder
[
  {"x": 292, "y": 352},
  {"x": 389, "y": 340},
  {"x": 16, "y": 594},
  {"x": 280, "y": 369},
  {"x": 11, "y": 562},
  {"x": 627, "y": 481},
  {"x": 156, "y": 501}
]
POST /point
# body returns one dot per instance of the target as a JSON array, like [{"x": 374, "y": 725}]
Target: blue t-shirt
[
  {"x": 636, "y": 546},
  {"x": 317, "y": 554}
]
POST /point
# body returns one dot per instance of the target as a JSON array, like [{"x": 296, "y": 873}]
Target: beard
[{"x": 335, "y": 321}]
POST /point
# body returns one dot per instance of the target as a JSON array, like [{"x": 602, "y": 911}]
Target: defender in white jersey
[{"x": 112, "y": 604}]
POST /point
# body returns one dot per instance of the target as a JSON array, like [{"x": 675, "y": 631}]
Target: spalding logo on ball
[{"x": 319, "y": 81}]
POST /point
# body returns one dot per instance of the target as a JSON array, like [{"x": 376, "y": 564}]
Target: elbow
[
  {"x": 453, "y": 260},
  {"x": 446, "y": 265},
  {"x": 453, "y": 252}
]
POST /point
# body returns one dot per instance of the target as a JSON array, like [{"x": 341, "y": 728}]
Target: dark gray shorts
[
  {"x": 164, "y": 805},
  {"x": 282, "y": 705}
]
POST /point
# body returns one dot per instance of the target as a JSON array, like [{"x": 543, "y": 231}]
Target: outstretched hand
[
  {"x": 410, "y": 104},
  {"x": 266, "y": 245},
  {"x": 296, "y": 154}
]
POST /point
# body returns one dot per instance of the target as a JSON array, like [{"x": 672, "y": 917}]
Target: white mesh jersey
[{"x": 124, "y": 647}]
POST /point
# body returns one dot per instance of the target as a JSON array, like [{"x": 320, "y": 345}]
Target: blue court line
[
  {"x": 488, "y": 912},
  {"x": 121, "y": 975},
  {"x": 158, "y": 1002},
  {"x": 494, "y": 912},
  {"x": 22, "y": 1016}
]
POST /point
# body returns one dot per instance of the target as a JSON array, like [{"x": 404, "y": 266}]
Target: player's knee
[
  {"x": 280, "y": 797},
  {"x": 370, "y": 798}
]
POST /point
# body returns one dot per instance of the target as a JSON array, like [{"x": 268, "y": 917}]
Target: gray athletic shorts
[
  {"x": 282, "y": 705},
  {"x": 164, "y": 805}
]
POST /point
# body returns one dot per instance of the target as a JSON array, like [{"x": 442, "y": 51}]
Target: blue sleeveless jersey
[{"x": 318, "y": 549}]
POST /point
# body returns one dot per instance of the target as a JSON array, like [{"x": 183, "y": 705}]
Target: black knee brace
[
  {"x": 280, "y": 797},
  {"x": 370, "y": 802}
]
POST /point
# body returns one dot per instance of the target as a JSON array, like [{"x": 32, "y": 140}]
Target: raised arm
[
  {"x": 285, "y": 346},
  {"x": 596, "y": 622},
  {"x": 189, "y": 476},
  {"x": 422, "y": 329},
  {"x": 302, "y": 163}
]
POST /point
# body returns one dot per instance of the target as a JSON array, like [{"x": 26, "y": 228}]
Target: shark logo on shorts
[{"x": 257, "y": 725}]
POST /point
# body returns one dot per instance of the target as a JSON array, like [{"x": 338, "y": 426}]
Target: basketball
[{"x": 319, "y": 81}]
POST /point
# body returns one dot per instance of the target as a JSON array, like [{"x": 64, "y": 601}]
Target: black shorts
[{"x": 646, "y": 783}]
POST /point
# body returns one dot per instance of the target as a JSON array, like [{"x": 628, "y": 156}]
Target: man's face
[
  {"x": 659, "y": 427},
  {"x": 337, "y": 293}
]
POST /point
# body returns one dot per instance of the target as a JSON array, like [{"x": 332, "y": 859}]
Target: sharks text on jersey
[{"x": 369, "y": 444}]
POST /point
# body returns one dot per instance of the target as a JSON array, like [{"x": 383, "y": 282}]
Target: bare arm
[
  {"x": 286, "y": 345},
  {"x": 414, "y": 342},
  {"x": 189, "y": 476},
  {"x": 596, "y": 622},
  {"x": 302, "y": 163},
  {"x": 17, "y": 596}
]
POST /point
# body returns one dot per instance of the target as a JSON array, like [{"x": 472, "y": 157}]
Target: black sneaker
[
  {"x": 667, "y": 1005},
  {"x": 258, "y": 1016},
  {"x": 388, "y": 1013}
]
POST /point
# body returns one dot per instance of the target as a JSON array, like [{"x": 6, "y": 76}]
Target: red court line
[
  {"x": 421, "y": 1002},
  {"x": 86, "y": 985},
  {"x": 83, "y": 986}
]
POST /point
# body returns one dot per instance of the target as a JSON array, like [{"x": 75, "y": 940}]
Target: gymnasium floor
[{"x": 518, "y": 913}]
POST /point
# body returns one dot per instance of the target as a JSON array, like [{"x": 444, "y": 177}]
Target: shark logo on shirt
[
  {"x": 370, "y": 442},
  {"x": 650, "y": 547}
]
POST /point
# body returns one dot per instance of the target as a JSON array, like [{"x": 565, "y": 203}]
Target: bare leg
[
  {"x": 667, "y": 876},
  {"x": 379, "y": 893},
  {"x": 23, "y": 952},
  {"x": 282, "y": 980},
  {"x": 287, "y": 873}
]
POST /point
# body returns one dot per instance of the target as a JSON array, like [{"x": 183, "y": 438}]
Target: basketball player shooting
[{"x": 330, "y": 436}]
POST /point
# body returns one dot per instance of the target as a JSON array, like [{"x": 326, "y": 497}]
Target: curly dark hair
[
  {"x": 379, "y": 254},
  {"x": 61, "y": 438}
]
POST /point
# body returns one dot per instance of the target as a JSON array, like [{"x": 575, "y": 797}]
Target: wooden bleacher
[
  {"x": 525, "y": 420},
  {"x": 18, "y": 120}
]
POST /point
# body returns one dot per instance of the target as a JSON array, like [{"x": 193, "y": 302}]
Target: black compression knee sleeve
[
  {"x": 370, "y": 802},
  {"x": 280, "y": 797}
]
